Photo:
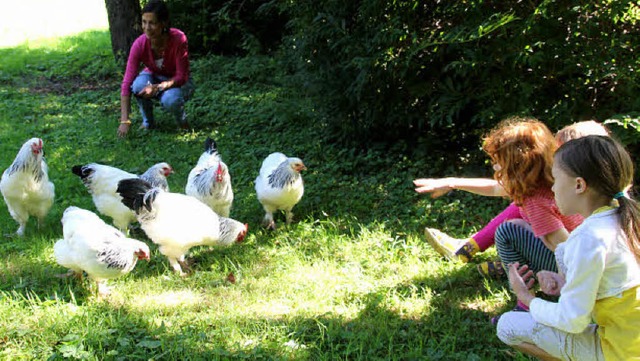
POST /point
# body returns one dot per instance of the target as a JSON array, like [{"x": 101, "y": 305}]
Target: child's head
[
  {"x": 580, "y": 129},
  {"x": 601, "y": 161},
  {"x": 604, "y": 167},
  {"x": 521, "y": 150}
]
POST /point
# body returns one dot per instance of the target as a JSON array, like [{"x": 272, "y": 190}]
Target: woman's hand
[
  {"x": 123, "y": 129},
  {"x": 149, "y": 91},
  {"x": 521, "y": 280},
  {"x": 550, "y": 282},
  {"x": 436, "y": 186}
]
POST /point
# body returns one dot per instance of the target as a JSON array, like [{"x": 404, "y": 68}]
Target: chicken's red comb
[{"x": 219, "y": 173}]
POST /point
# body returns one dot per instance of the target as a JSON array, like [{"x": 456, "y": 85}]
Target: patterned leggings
[{"x": 516, "y": 243}]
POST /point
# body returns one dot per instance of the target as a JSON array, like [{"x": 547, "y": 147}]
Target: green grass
[
  {"x": 350, "y": 279},
  {"x": 35, "y": 21}
]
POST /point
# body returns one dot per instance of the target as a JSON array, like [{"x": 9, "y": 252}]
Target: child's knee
[
  {"x": 511, "y": 229},
  {"x": 514, "y": 328},
  {"x": 520, "y": 223}
]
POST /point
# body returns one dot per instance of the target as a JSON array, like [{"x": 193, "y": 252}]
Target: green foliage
[
  {"x": 626, "y": 128},
  {"x": 351, "y": 278},
  {"x": 229, "y": 26},
  {"x": 394, "y": 68}
]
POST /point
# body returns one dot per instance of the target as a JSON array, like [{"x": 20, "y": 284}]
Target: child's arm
[
  {"x": 553, "y": 239},
  {"x": 440, "y": 186},
  {"x": 585, "y": 262}
]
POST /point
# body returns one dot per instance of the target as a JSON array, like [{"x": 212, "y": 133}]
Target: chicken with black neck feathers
[
  {"x": 177, "y": 222},
  {"x": 210, "y": 182},
  {"x": 279, "y": 186},
  {"x": 102, "y": 181},
  {"x": 25, "y": 185}
]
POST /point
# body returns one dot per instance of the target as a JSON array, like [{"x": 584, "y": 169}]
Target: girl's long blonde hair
[{"x": 523, "y": 148}]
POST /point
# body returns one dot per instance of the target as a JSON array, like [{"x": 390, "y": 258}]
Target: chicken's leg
[
  {"x": 175, "y": 264},
  {"x": 268, "y": 221},
  {"x": 288, "y": 216},
  {"x": 21, "y": 216},
  {"x": 103, "y": 289},
  {"x": 70, "y": 273}
]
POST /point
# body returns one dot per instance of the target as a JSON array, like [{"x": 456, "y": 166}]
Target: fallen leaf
[{"x": 231, "y": 278}]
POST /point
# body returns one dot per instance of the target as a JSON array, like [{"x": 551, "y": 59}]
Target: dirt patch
[{"x": 68, "y": 85}]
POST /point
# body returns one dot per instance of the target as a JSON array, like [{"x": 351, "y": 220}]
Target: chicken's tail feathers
[
  {"x": 210, "y": 146},
  {"x": 82, "y": 171},
  {"x": 137, "y": 193}
]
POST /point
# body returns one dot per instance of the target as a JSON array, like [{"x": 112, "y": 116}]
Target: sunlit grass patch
[
  {"x": 86, "y": 55},
  {"x": 35, "y": 20}
]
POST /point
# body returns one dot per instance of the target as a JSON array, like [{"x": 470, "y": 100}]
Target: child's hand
[
  {"x": 437, "y": 187},
  {"x": 521, "y": 280},
  {"x": 550, "y": 282}
]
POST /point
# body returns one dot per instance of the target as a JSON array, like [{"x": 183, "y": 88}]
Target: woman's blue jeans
[{"x": 172, "y": 100}]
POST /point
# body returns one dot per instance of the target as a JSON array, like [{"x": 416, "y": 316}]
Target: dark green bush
[
  {"x": 229, "y": 27},
  {"x": 391, "y": 69}
]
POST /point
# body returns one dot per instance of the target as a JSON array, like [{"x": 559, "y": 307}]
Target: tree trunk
[{"x": 124, "y": 25}]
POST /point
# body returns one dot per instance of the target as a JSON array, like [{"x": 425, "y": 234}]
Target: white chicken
[
  {"x": 279, "y": 186},
  {"x": 102, "y": 181},
  {"x": 210, "y": 182},
  {"x": 177, "y": 222},
  {"x": 25, "y": 185},
  {"x": 92, "y": 246}
]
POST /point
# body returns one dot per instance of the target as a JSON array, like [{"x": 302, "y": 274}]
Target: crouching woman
[{"x": 163, "y": 51}]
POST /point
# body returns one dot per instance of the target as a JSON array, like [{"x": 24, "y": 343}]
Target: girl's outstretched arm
[{"x": 440, "y": 186}]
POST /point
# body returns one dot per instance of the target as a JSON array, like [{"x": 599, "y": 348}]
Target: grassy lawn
[
  {"x": 34, "y": 20},
  {"x": 350, "y": 279}
]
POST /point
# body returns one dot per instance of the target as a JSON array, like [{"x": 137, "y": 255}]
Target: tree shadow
[{"x": 377, "y": 332}]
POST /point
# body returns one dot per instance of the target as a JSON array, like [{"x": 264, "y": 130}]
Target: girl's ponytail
[{"x": 630, "y": 223}]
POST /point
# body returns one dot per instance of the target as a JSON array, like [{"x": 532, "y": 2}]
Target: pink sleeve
[
  {"x": 133, "y": 66},
  {"x": 182, "y": 61},
  {"x": 543, "y": 215}
]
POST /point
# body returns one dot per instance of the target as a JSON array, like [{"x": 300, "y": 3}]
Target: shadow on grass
[
  {"x": 448, "y": 328},
  {"x": 376, "y": 333}
]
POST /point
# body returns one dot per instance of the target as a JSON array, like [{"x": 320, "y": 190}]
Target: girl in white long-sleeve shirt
[{"x": 597, "y": 316}]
